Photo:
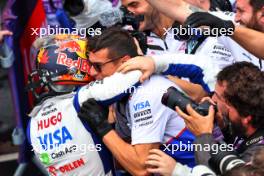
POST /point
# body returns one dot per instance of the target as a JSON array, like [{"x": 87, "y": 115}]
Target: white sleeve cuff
[
  {"x": 180, "y": 170},
  {"x": 160, "y": 63}
]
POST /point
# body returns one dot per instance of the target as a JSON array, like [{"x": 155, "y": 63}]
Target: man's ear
[
  {"x": 125, "y": 58},
  {"x": 246, "y": 121},
  {"x": 262, "y": 16},
  {"x": 205, "y": 4}
]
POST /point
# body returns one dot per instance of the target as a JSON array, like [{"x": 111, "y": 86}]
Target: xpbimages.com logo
[
  {"x": 186, "y": 32},
  {"x": 49, "y": 30}
]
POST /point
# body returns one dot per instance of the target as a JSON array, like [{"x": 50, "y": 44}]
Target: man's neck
[{"x": 164, "y": 23}]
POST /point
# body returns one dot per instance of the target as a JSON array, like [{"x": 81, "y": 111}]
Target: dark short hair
[
  {"x": 245, "y": 90},
  {"x": 246, "y": 170},
  {"x": 256, "y": 4},
  {"x": 118, "y": 41},
  {"x": 257, "y": 159}
]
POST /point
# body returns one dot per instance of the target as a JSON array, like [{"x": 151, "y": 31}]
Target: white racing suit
[{"x": 63, "y": 142}]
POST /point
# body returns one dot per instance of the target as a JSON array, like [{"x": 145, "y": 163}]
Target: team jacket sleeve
[
  {"x": 198, "y": 68},
  {"x": 198, "y": 170},
  {"x": 108, "y": 90}
]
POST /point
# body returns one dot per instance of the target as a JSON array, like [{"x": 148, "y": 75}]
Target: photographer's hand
[{"x": 197, "y": 123}]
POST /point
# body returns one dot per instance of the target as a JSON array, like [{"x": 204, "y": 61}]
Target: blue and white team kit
[
  {"x": 149, "y": 121},
  {"x": 65, "y": 144}
]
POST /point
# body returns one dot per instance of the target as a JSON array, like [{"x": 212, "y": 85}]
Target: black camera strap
[{"x": 253, "y": 139}]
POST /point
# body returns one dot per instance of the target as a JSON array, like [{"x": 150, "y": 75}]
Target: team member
[
  {"x": 161, "y": 42},
  {"x": 143, "y": 118},
  {"x": 164, "y": 29},
  {"x": 52, "y": 129},
  {"x": 180, "y": 10},
  {"x": 241, "y": 34},
  {"x": 239, "y": 100},
  {"x": 234, "y": 120},
  {"x": 63, "y": 142}
]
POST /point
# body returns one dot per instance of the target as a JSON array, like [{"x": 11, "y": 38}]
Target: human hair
[
  {"x": 256, "y": 4},
  {"x": 244, "y": 90},
  {"x": 258, "y": 158},
  {"x": 246, "y": 170},
  {"x": 118, "y": 41}
]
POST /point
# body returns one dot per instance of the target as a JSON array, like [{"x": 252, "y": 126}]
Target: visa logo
[
  {"x": 55, "y": 139},
  {"x": 141, "y": 105}
]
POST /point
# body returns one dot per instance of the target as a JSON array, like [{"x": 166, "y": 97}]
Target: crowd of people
[{"x": 174, "y": 88}]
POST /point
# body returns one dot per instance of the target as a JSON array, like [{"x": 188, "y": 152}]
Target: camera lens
[
  {"x": 224, "y": 161},
  {"x": 173, "y": 97}
]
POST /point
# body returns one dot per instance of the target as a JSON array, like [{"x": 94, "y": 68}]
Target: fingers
[
  {"x": 127, "y": 66},
  {"x": 153, "y": 157},
  {"x": 157, "y": 152},
  {"x": 6, "y": 32},
  {"x": 207, "y": 99},
  {"x": 122, "y": 67},
  {"x": 89, "y": 104},
  {"x": 211, "y": 112},
  {"x": 198, "y": 19},
  {"x": 192, "y": 112},
  {"x": 145, "y": 76},
  {"x": 154, "y": 170},
  {"x": 192, "y": 21},
  {"x": 152, "y": 163},
  {"x": 182, "y": 114}
]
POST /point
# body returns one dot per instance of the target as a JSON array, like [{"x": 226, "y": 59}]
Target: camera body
[
  {"x": 130, "y": 19},
  {"x": 173, "y": 97}
]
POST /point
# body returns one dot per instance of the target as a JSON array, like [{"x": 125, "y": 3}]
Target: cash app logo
[{"x": 44, "y": 158}]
